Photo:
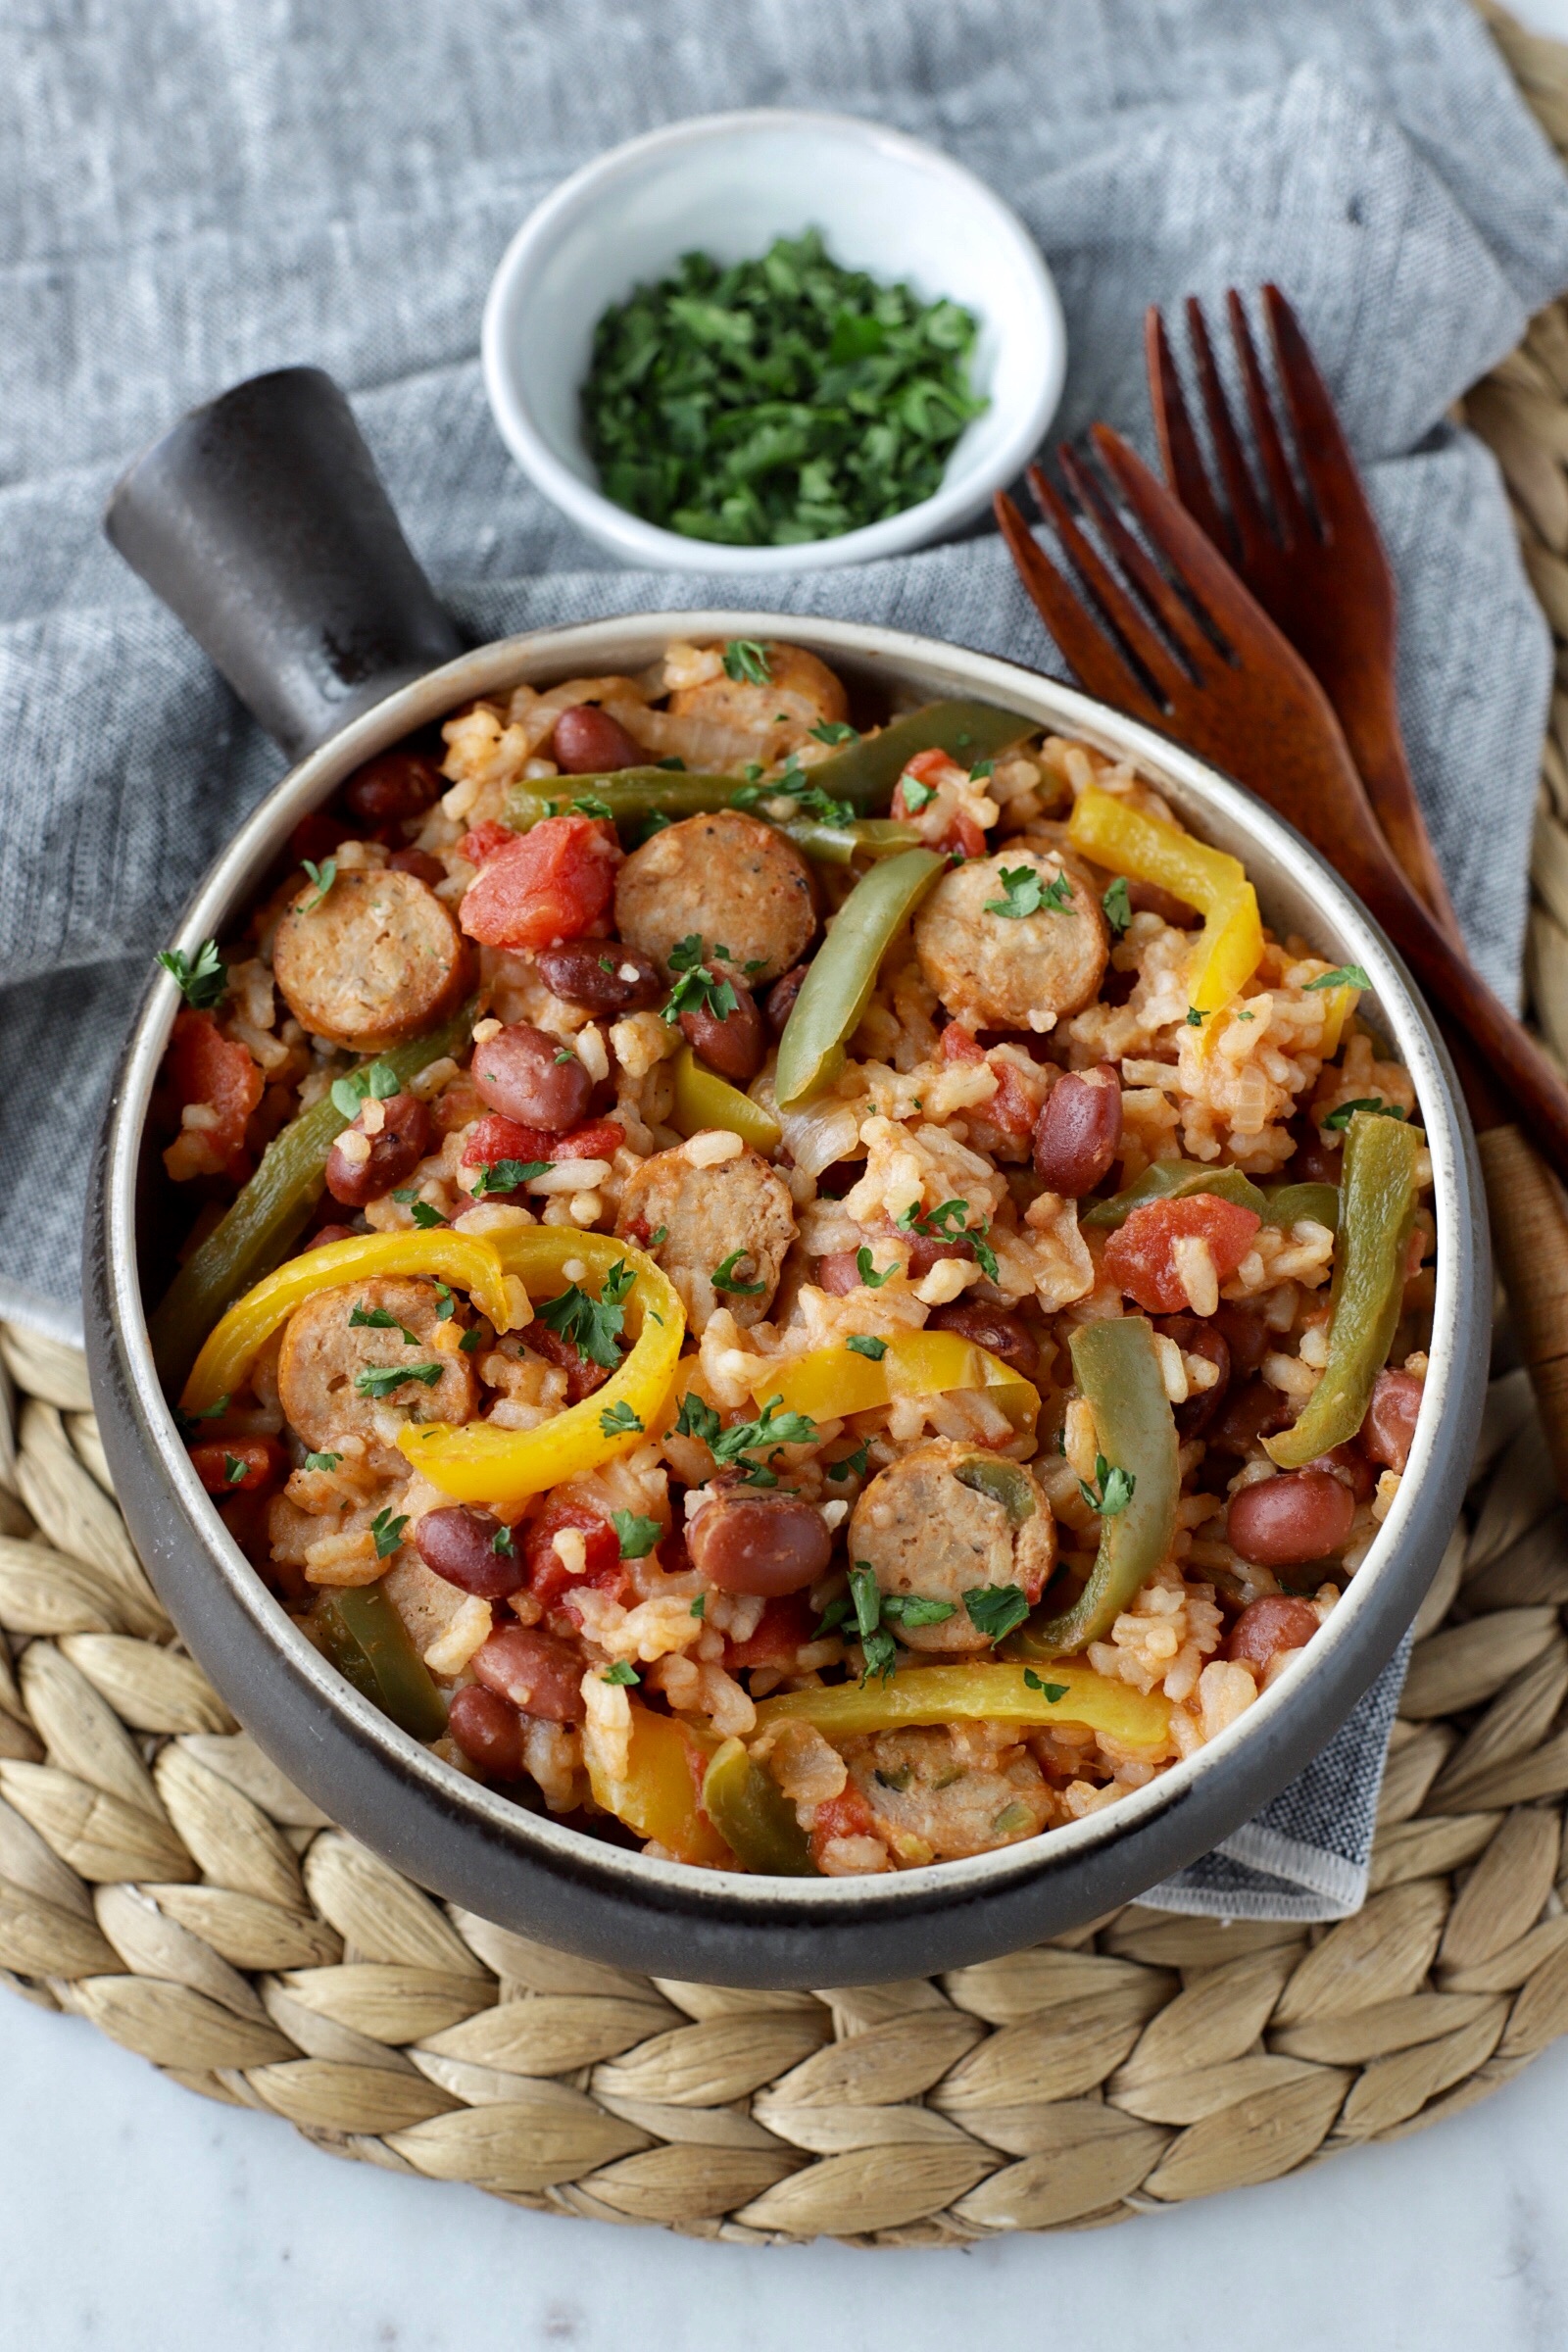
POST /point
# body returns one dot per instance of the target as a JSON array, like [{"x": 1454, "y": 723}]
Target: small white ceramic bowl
[{"x": 728, "y": 186}]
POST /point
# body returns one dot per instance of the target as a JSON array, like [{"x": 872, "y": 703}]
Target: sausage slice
[
  {"x": 375, "y": 962},
  {"x": 728, "y": 879},
  {"x": 707, "y": 1215}
]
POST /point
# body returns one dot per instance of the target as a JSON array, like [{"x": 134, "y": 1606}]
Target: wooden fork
[
  {"x": 1321, "y": 573},
  {"x": 1202, "y": 662}
]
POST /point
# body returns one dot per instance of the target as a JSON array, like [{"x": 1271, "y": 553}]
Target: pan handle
[{"x": 260, "y": 519}]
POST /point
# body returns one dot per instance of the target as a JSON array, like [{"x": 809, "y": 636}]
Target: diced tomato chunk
[
  {"x": 259, "y": 1461},
  {"x": 1141, "y": 1259},
  {"x": 218, "y": 1071},
  {"x": 961, "y": 1045},
  {"x": 496, "y": 1137},
  {"x": 553, "y": 883},
  {"x": 935, "y": 768},
  {"x": 846, "y": 1815},
  {"x": 1012, "y": 1107},
  {"x": 548, "y": 1578},
  {"x": 785, "y": 1626},
  {"x": 485, "y": 842}
]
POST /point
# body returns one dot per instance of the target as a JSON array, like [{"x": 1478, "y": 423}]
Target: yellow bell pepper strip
[
  {"x": 1147, "y": 848},
  {"x": 830, "y": 1383},
  {"x": 990, "y": 1692},
  {"x": 703, "y": 1099},
  {"x": 839, "y": 981},
  {"x": 1377, "y": 1209},
  {"x": 502, "y": 1467},
  {"x": 755, "y": 1817},
  {"x": 1175, "y": 1180},
  {"x": 467, "y": 1260},
  {"x": 1288, "y": 1205},
  {"x": 1339, "y": 1003},
  {"x": 269, "y": 1211},
  {"x": 661, "y": 1795},
  {"x": 360, "y": 1631},
  {"x": 1117, "y": 1366}
]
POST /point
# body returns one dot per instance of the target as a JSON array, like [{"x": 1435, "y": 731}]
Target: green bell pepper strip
[
  {"x": 358, "y": 1630},
  {"x": 253, "y": 1234},
  {"x": 1377, "y": 1209},
  {"x": 629, "y": 793},
  {"x": 873, "y": 837},
  {"x": 838, "y": 983},
  {"x": 755, "y": 1818},
  {"x": 1289, "y": 1203},
  {"x": 1175, "y": 1180},
  {"x": 1117, "y": 1366}
]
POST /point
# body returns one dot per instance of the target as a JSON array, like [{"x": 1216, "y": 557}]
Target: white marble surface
[{"x": 135, "y": 2217}]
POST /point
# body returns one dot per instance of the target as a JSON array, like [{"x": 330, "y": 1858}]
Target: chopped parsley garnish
[
  {"x": 1113, "y": 1489},
  {"x": 917, "y": 795},
  {"x": 380, "y": 1080},
  {"x": 866, "y": 1270},
  {"x": 622, "y": 1672},
  {"x": 506, "y": 1175},
  {"x": 723, "y": 1278},
  {"x": 994, "y": 1609},
  {"x": 911, "y": 1608},
  {"x": 637, "y": 1534},
  {"x": 881, "y": 1651},
  {"x": 794, "y": 785},
  {"x": 699, "y": 1605},
  {"x": 424, "y": 1213},
  {"x": 864, "y": 1343},
  {"x": 591, "y": 1325},
  {"x": 322, "y": 1461},
  {"x": 234, "y": 1469},
  {"x": 851, "y": 1465},
  {"x": 377, "y": 1318},
  {"x": 775, "y": 401},
  {"x": 835, "y": 730},
  {"x": 1049, "y": 1691},
  {"x": 379, "y": 1380},
  {"x": 323, "y": 876},
  {"x": 653, "y": 1239},
  {"x": 588, "y": 803},
  {"x": 746, "y": 661},
  {"x": 698, "y": 1419},
  {"x": 618, "y": 1420},
  {"x": 186, "y": 1423},
  {"x": 946, "y": 1223},
  {"x": 202, "y": 982},
  {"x": 446, "y": 1307},
  {"x": 1344, "y": 976},
  {"x": 770, "y": 1431},
  {"x": 1196, "y": 1018},
  {"x": 697, "y": 989},
  {"x": 1026, "y": 893},
  {"x": 564, "y": 1053},
  {"x": 470, "y": 1340},
  {"x": 501, "y": 1541},
  {"x": 388, "y": 1532},
  {"x": 1373, "y": 1102},
  {"x": 1116, "y": 905},
  {"x": 981, "y": 769}
]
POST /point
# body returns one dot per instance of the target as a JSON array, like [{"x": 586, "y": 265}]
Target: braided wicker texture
[{"x": 159, "y": 1877}]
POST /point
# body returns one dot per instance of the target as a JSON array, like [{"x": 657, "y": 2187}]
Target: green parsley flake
[
  {"x": 637, "y": 1534},
  {"x": 470, "y": 1340},
  {"x": 621, "y": 1672},
  {"x": 323, "y": 876},
  {"x": 722, "y": 1277},
  {"x": 379, "y": 1380},
  {"x": 835, "y": 730},
  {"x": 1116, "y": 905},
  {"x": 867, "y": 1271},
  {"x": 775, "y": 402},
  {"x": 423, "y": 1212},
  {"x": 388, "y": 1532},
  {"x": 1026, "y": 893},
  {"x": 917, "y": 795},
  {"x": 697, "y": 989},
  {"x": 501, "y": 1541},
  {"x": 591, "y": 1325},
  {"x": 910, "y": 1609},
  {"x": 1344, "y": 976},
  {"x": 851, "y": 1465},
  {"x": 876, "y": 1643},
  {"x": 379, "y": 1080},
  {"x": 185, "y": 1422},
  {"x": 445, "y": 1303},
  {"x": 1375, "y": 1104},
  {"x": 618, "y": 1420},
  {"x": 746, "y": 661},
  {"x": 377, "y": 1318},
  {"x": 506, "y": 1175},
  {"x": 1113, "y": 1489},
  {"x": 234, "y": 1469},
  {"x": 1195, "y": 1018},
  {"x": 204, "y": 982},
  {"x": 994, "y": 1609},
  {"x": 322, "y": 1461},
  {"x": 588, "y": 803},
  {"x": 699, "y": 1605},
  {"x": 862, "y": 1343},
  {"x": 1049, "y": 1691},
  {"x": 698, "y": 1419}
]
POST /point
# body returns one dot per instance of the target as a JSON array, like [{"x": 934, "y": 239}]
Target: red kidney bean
[
  {"x": 540, "y": 1675},
  {"x": 395, "y": 1152},
  {"x": 583, "y": 1375},
  {"x": 1078, "y": 1133},
  {"x": 1350, "y": 1465},
  {"x": 840, "y": 1176},
  {"x": 1264, "y": 1627},
  {"x": 488, "y": 1731},
  {"x": 735, "y": 1046},
  {"x": 1315, "y": 1160},
  {"x": 1196, "y": 1337},
  {"x": 460, "y": 1543},
  {"x": 601, "y": 974},
  {"x": 838, "y": 1272},
  {"x": 323, "y": 1234},
  {"x": 994, "y": 1328},
  {"x": 1245, "y": 1335},
  {"x": 529, "y": 1076},
  {"x": 588, "y": 742},
  {"x": 781, "y": 997},
  {"x": 1252, "y": 1411},
  {"x": 763, "y": 1544},
  {"x": 928, "y": 1249},
  {"x": 1281, "y": 1522},
  {"x": 419, "y": 863},
  {"x": 1389, "y": 1430},
  {"x": 397, "y": 784}
]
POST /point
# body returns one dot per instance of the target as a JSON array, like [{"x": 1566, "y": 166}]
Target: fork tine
[
  {"x": 1247, "y": 507},
  {"x": 1325, "y": 453},
  {"x": 1093, "y": 656},
  {"x": 1150, "y": 582},
  {"x": 1290, "y": 517},
  {"x": 1179, "y": 451},
  {"x": 1115, "y": 605}
]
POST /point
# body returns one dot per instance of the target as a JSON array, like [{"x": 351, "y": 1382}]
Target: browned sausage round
[
  {"x": 540, "y": 1675},
  {"x": 993, "y": 1328},
  {"x": 1282, "y": 1522},
  {"x": 781, "y": 997},
  {"x": 602, "y": 975},
  {"x": 472, "y": 1550},
  {"x": 488, "y": 1731},
  {"x": 533, "y": 1078},
  {"x": 765, "y": 1544},
  {"x": 735, "y": 1046},
  {"x": 374, "y": 958},
  {"x": 1274, "y": 1622},
  {"x": 397, "y": 784},
  {"x": 395, "y": 1152},
  {"x": 1388, "y": 1430},
  {"x": 1078, "y": 1133},
  {"x": 588, "y": 742}
]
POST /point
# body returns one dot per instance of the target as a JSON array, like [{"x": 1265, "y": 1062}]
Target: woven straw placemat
[{"x": 159, "y": 1877}]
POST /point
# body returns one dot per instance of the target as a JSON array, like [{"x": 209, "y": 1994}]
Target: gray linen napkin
[{"x": 338, "y": 187}]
